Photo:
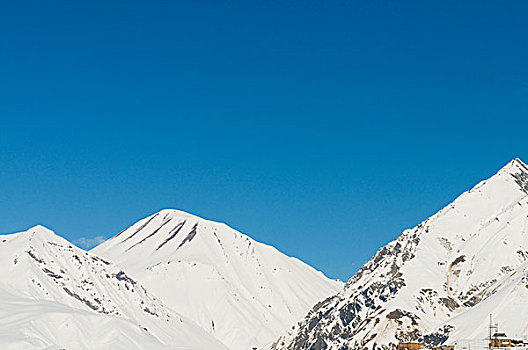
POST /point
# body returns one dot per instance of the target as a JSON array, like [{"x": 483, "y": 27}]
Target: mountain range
[
  {"x": 174, "y": 280},
  {"x": 438, "y": 282},
  {"x": 178, "y": 282},
  {"x": 243, "y": 292}
]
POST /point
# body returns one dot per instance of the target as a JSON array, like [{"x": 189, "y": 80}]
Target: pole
[{"x": 490, "y": 327}]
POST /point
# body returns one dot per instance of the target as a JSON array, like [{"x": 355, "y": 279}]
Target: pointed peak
[
  {"x": 165, "y": 214},
  {"x": 42, "y": 232},
  {"x": 520, "y": 163},
  {"x": 516, "y": 171},
  {"x": 40, "y": 229},
  {"x": 515, "y": 166},
  {"x": 175, "y": 212},
  {"x": 36, "y": 233}
]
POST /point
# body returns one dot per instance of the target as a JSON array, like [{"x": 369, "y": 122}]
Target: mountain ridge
[
  {"x": 431, "y": 273},
  {"x": 198, "y": 259},
  {"x": 176, "y": 279},
  {"x": 41, "y": 266}
]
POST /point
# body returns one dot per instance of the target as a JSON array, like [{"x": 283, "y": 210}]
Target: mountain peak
[
  {"x": 218, "y": 276},
  {"x": 169, "y": 212},
  {"x": 34, "y": 231},
  {"x": 517, "y": 169},
  {"x": 39, "y": 229},
  {"x": 42, "y": 233},
  {"x": 37, "y": 233},
  {"x": 466, "y": 257},
  {"x": 514, "y": 166},
  {"x": 40, "y": 266}
]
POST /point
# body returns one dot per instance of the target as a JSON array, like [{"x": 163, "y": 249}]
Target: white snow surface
[
  {"x": 41, "y": 324},
  {"x": 54, "y": 295},
  {"x": 438, "y": 282},
  {"x": 242, "y": 292}
]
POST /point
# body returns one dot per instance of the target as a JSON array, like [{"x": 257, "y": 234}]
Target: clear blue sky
[{"x": 322, "y": 127}]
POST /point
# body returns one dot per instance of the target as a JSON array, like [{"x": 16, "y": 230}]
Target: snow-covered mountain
[
  {"x": 176, "y": 281},
  {"x": 242, "y": 292},
  {"x": 55, "y": 295},
  {"x": 438, "y": 282}
]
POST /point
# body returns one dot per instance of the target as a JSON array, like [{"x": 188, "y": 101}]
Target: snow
[
  {"x": 439, "y": 281},
  {"x": 243, "y": 292},
  {"x": 180, "y": 282},
  {"x": 176, "y": 281},
  {"x": 69, "y": 298},
  {"x": 39, "y": 324},
  {"x": 508, "y": 304}
]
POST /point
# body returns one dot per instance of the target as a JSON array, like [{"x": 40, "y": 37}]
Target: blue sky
[{"x": 322, "y": 127}]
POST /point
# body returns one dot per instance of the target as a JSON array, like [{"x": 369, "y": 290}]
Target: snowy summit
[
  {"x": 438, "y": 282},
  {"x": 243, "y": 292}
]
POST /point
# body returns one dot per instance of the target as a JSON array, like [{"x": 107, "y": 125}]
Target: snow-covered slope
[
  {"x": 507, "y": 302},
  {"x": 68, "y": 298},
  {"x": 437, "y": 282},
  {"x": 40, "y": 324},
  {"x": 243, "y": 292}
]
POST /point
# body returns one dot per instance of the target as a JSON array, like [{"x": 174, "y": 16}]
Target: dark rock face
[
  {"x": 76, "y": 279},
  {"x": 439, "y": 337},
  {"x": 82, "y": 300},
  {"x": 165, "y": 222},
  {"x": 34, "y": 257},
  {"x": 140, "y": 228},
  {"x": 190, "y": 236},
  {"x": 521, "y": 178},
  {"x": 346, "y": 320},
  {"x": 172, "y": 233},
  {"x": 449, "y": 303},
  {"x": 458, "y": 260},
  {"x": 354, "y": 318},
  {"x": 121, "y": 276}
]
